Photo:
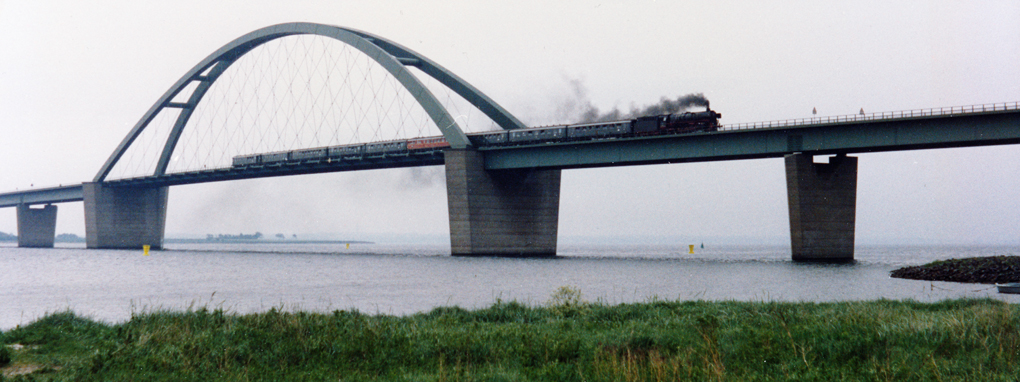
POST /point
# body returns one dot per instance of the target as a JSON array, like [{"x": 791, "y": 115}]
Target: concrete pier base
[
  {"x": 823, "y": 204},
  {"x": 37, "y": 227},
  {"x": 124, "y": 217},
  {"x": 500, "y": 213}
]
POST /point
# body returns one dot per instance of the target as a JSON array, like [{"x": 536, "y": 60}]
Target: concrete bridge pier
[
  {"x": 501, "y": 212},
  {"x": 37, "y": 227},
  {"x": 124, "y": 217},
  {"x": 823, "y": 204}
]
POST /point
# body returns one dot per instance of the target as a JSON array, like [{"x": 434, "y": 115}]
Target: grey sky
[{"x": 75, "y": 76}]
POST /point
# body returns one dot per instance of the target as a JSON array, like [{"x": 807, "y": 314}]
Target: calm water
[{"x": 391, "y": 279}]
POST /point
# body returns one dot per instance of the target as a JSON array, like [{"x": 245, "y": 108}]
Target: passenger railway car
[
  {"x": 346, "y": 151},
  {"x": 273, "y": 157},
  {"x": 385, "y": 147},
  {"x": 427, "y": 143},
  {"x": 537, "y": 135},
  {"x": 246, "y": 160},
  {"x": 308, "y": 154},
  {"x": 489, "y": 138},
  {"x": 598, "y": 130}
]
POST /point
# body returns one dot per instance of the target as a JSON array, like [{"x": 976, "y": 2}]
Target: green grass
[{"x": 570, "y": 340}]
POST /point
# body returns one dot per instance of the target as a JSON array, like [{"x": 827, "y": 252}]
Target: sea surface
[{"x": 111, "y": 285}]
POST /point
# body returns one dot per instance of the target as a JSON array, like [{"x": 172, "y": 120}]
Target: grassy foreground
[{"x": 568, "y": 341}]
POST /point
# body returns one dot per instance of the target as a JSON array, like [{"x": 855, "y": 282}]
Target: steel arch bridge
[
  {"x": 387, "y": 54},
  {"x": 503, "y": 199}
]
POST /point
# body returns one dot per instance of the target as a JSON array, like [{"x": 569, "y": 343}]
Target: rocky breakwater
[{"x": 979, "y": 270}]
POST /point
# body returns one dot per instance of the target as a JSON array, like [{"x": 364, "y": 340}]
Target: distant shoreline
[{"x": 242, "y": 241}]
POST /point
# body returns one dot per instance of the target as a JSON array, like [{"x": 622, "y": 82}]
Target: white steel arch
[{"x": 388, "y": 54}]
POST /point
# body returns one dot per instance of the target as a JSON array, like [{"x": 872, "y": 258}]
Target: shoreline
[{"x": 207, "y": 241}]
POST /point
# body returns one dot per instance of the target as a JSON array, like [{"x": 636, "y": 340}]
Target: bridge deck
[
  {"x": 908, "y": 130},
  {"x": 60, "y": 194},
  {"x": 774, "y": 139},
  {"x": 368, "y": 162}
]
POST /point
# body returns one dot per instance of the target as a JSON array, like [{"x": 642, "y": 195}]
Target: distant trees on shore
[
  {"x": 222, "y": 237},
  {"x": 61, "y": 238}
]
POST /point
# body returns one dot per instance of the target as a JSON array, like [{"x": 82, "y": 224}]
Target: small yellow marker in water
[
  {"x": 348, "y": 245},
  {"x": 145, "y": 250},
  {"x": 691, "y": 247}
]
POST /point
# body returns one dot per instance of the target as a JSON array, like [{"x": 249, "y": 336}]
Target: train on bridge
[{"x": 666, "y": 124}]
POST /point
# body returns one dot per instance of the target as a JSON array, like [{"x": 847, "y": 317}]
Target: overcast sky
[{"x": 75, "y": 76}]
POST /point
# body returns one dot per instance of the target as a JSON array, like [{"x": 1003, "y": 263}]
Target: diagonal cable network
[
  {"x": 293, "y": 93},
  {"x": 141, "y": 157}
]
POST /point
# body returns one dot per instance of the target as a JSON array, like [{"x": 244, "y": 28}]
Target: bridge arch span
[{"x": 388, "y": 54}]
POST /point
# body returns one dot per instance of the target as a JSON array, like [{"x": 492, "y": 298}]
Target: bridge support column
[
  {"x": 124, "y": 217},
  {"x": 503, "y": 212},
  {"x": 823, "y": 203},
  {"x": 37, "y": 227}
]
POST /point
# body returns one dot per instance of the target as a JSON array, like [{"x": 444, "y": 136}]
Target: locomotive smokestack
[{"x": 707, "y": 108}]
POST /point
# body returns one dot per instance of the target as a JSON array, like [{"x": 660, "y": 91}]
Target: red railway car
[{"x": 427, "y": 143}]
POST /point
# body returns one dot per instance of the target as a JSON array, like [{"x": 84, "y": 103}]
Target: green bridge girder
[
  {"x": 47, "y": 195},
  {"x": 893, "y": 134}
]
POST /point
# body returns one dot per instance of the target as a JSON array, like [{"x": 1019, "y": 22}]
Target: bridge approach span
[
  {"x": 47, "y": 195},
  {"x": 968, "y": 126}
]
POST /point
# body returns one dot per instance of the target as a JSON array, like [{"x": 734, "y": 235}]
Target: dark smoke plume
[
  {"x": 581, "y": 107},
  {"x": 665, "y": 106}
]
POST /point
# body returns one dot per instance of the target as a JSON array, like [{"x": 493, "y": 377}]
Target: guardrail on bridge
[{"x": 984, "y": 108}]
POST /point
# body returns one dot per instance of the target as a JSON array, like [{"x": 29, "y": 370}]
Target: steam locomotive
[{"x": 666, "y": 124}]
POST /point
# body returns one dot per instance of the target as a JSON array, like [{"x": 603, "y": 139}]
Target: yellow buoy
[
  {"x": 348, "y": 245},
  {"x": 145, "y": 249},
  {"x": 691, "y": 247}
]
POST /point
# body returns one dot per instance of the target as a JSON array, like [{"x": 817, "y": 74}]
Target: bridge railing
[{"x": 1005, "y": 106}]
